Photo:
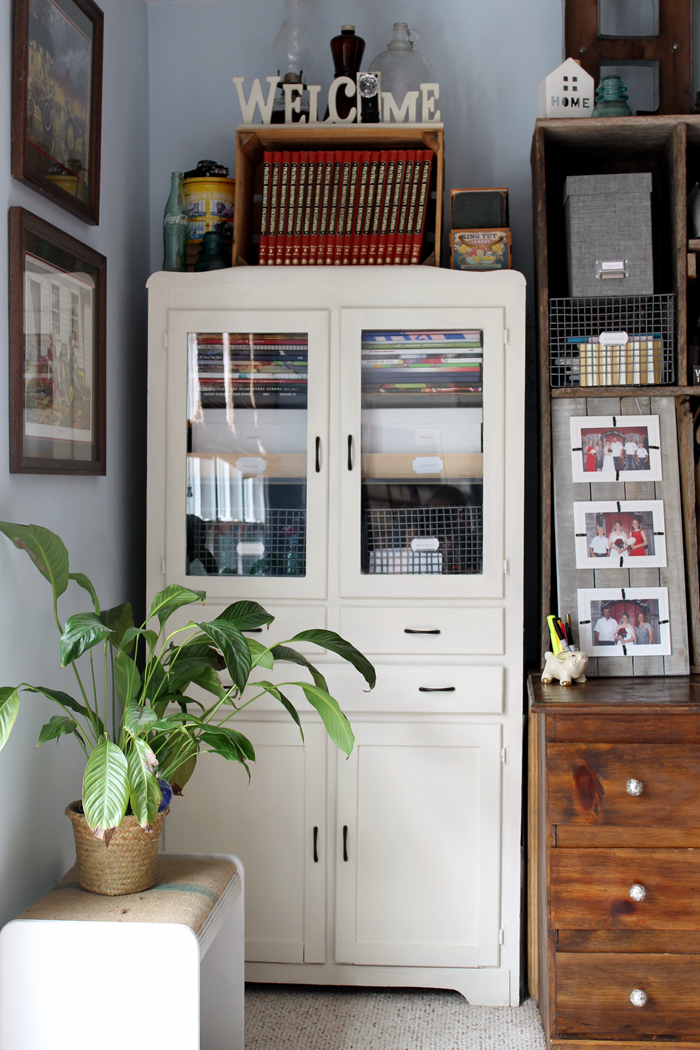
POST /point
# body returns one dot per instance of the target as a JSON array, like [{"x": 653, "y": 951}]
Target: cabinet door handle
[
  {"x": 436, "y": 689},
  {"x": 318, "y": 455},
  {"x": 411, "y": 630},
  {"x": 252, "y": 630},
  {"x": 315, "y": 845},
  {"x": 345, "y": 842},
  {"x": 350, "y": 450}
]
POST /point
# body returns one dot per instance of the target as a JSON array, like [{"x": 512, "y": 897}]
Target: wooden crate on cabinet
[{"x": 252, "y": 140}]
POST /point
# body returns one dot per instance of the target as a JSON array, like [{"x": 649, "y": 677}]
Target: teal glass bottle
[
  {"x": 611, "y": 98},
  {"x": 213, "y": 255},
  {"x": 175, "y": 227}
]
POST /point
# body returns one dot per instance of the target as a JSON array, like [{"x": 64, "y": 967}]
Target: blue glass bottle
[{"x": 611, "y": 98}]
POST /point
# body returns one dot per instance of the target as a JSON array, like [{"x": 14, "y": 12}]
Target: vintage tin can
[{"x": 209, "y": 194}]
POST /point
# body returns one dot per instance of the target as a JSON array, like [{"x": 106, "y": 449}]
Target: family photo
[
  {"x": 626, "y": 534},
  {"x": 603, "y": 450},
  {"x": 633, "y": 622}
]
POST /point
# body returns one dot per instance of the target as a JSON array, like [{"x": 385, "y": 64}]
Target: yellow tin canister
[{"x": 209, "y": 195}]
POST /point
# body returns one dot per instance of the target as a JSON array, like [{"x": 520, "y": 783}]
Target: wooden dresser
[{"x": 614, "y": 862}]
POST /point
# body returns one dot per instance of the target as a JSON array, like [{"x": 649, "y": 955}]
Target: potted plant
[{"x": 141, "y": 733}]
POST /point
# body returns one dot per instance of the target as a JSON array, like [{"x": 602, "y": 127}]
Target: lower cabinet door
[
  {"x": 418, "y": 846},
  {"x": 276, "y": 825}
]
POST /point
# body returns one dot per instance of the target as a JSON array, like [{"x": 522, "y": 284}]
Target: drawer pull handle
[
  {"x": 350, "y": 452},
  {"x": 411, "y": 630},
  {"x": 638, "y": 997},
  {"x": 316, "y": 847},
  {"x": 345, "y": 842},
  {"x": 318, "y": 455},
  {"x": 436, "y": 689},
  {"x": 634, "y": 787},
  {"x": 637, "y": 892}
]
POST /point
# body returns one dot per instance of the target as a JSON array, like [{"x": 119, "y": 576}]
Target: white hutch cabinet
[{"x": 346, "y": 446}]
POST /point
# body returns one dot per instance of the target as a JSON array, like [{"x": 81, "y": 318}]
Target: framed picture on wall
[
  {"x": 57, "y": 350},
  {"x": 632, "y": 621},
  {"x": 626, "y": 534},
  {"x": 615, "y": 448},
  {"x": 57, "y": 101}
]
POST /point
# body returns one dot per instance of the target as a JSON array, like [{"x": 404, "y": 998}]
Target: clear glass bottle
[
  {"x": 292, "y": 50},
  {"x": 175, "y": 227},
  {"x": 611, "y": 98},
  {"x": 403, "y": 69}
]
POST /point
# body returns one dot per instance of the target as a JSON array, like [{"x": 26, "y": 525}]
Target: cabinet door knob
[
  {"x": 634, "y": 787},
  {"x": 638, "y": 997},
  {"x": 637, "y": 892}
]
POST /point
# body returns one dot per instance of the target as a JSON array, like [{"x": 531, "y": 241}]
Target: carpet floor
[{"x": 294, "y": 1017}]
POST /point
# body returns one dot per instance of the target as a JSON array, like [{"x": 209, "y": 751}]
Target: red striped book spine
[
  {"x": 291, "y": 207},
  {"x": 264, "y": 210},
  {"x": 412, "y": 208},
  {"x": 395, "y": 208},
  {"x": 403, "y": 210},
  {"x": 299, "y": 214},
  {"x": 320, "y": 158},
  {"x": 362, "y": 181},
  {"x": 352, "y": 205},
  {"x": 386, "y": 205},
  {"x": 282, "y": 209},
  {"x": 377, "y": 210},
  {"x": 333, "y": 207},
  {"x": 274, "y": 208},
  {"x": 325, "y": 207},
  {"x": 422, "y": 207},
  {"x": 308, "y": 208},
  {"x": 342, "y": 207},
  {"x": 369, "y": 207}
]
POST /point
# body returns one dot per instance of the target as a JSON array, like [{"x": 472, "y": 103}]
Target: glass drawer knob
[
  {"x": 637, "y": 892},
  {"x": 638, "y": 997},
  {"x": 634, "y": 787}
]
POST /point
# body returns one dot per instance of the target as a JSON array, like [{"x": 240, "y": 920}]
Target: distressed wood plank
[{"x": 569, "y": 578}]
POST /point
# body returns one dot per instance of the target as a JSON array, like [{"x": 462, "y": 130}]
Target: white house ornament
[
  {"x": 568, "y": 91},
  {"x": 415, "y": 107}
]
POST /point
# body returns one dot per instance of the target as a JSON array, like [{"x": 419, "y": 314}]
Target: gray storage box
[{"x": 608, "y": 234}]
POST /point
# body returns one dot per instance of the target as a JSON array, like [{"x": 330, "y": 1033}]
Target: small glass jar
[
  {"x": 214, "y": 254},
  {"x": 611, "y": 98}
]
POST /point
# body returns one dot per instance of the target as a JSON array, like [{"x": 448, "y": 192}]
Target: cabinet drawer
[
  {"x": 288, "y": 621},
  {"x": 593, "y": 996},
  {"x": 426, "y": 630},
  {"x": 589, "y": 784},
  {"x": 590, "y": 889},
  {"x": 419, "y": 688}
]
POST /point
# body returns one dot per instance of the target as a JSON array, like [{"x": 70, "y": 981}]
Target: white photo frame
[
  {"x": 599, "y": 448},
  {"x": 651, "y": 602},
  {"x": 605, "y": 536}
]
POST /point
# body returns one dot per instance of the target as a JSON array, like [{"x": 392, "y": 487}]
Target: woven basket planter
[{"x": 127, "y": 865}]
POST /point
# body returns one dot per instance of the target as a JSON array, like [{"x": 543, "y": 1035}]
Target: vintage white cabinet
[{"x": 346, "y": 446}]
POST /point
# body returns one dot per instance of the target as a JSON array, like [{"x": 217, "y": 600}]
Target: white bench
[{"x": 79, "y": 970}]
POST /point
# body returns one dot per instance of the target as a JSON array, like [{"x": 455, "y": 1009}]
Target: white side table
[{"x": 78, "y": 970}]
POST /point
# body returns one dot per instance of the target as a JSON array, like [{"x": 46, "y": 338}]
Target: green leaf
[
  {"x": 9, "y": 709},
  {"x": 61, "y": 698},
  {"x": 173, "y": 597},
  {"x": 163, "y": 700},
  {"x": 179, "y": 763},
  {"x": 275, "y": 691},
  {"x": 336, "y": 644},
  {"x": 185, "y": 670},
  {"x": 337, "y": 725},
  {"x": 210, "y": 681},
  {"x": 230, "y": 744},
  {"x": 155, "y": 676},
  {"x": 45, "y": 548},
  {"x": 144, "y": 789},
  {"x": 82, "y": 632},
  {"x": 134, "y": 632},
  {"x": 119, "y": 620},
  {"x": 283, "y": 652},
  {"x": 105, "y": 788},
  {"x": 56, "y": 726},
  {"x": 262, "y": 657},
  {"x": 128, "y": 678},
  {"x": 139, "y": 719},
  {"x": 234, "y": 647},
  {"x": 81, "y": 579},
  {"x": 246, "y": 615}
]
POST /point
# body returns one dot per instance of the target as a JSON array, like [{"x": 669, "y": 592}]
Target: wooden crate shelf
[{"x": 252, "y": 140}]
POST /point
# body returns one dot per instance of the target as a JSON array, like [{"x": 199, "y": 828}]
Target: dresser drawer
[
  {"x": 590, "y": 784},
  {"x": 590, "y": 889},
  {"x": 593, "y": 996},
  {"x": 452, "y": 689},
  {"x": 423, "y": 631}
]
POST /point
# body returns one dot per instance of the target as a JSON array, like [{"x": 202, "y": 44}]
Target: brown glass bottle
[{"x": 347, "y": 50}]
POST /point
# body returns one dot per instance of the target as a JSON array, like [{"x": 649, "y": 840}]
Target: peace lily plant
[{"x": 140, "y": 731}]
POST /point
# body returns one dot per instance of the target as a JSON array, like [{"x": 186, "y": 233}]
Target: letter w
[{"x": 256, "y": 99}]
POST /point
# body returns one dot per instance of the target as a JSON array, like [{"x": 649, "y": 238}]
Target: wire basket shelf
[
  {"x": 424, "y": 540},
  {"x": 612, "y": 341},
  {"x": 275, "y": 547}
]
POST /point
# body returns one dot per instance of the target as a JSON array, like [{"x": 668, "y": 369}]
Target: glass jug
[{"x": 403, "y": 69}]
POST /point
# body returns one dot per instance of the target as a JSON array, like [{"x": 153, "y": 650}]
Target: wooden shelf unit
[
  {"x": 252, "y": 140},
  {"x": 669, "y": 147}
]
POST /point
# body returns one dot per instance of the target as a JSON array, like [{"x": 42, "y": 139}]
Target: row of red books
[{"x": 343, "y": 207}]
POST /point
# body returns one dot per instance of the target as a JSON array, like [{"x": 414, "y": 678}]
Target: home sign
[{"x": 416, "y": 105}]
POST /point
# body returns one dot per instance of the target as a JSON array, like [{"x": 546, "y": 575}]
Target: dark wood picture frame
[
  {"x": 41, "y": 106},
  {"x": 28, "y": 228}
]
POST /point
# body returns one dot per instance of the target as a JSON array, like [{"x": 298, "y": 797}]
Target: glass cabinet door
[
  {"x": 253, "y": 434},
  {"x": 424, "y": 474}
]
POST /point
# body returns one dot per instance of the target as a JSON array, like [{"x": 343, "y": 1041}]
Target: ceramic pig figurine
[{"x": 565, "y": 666}]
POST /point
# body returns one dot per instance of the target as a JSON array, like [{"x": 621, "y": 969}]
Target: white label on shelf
[
  {"x": 613, "y": 338},
  {"x": 251, "y": 465},
  {"x": 427, "y": 465},
  {"x": 427, "y": 435},
  {"x": 616, "y": 265},
  {"x": 425, "y": 543},
  {"x": 249, "y": 550}
]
